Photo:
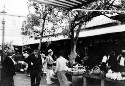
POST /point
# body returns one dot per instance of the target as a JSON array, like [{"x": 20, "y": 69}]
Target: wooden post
[
  {"x": 85, "y": 81},
  {"x": 102, "y": 82}
]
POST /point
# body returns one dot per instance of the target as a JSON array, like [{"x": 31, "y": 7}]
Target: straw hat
[{"x": 50, "y": 50}]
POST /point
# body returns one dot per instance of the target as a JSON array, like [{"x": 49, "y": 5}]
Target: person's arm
[
  {"x": 27, "y": 59},
  {"x": 27, "y": 62},
  {"x": 41, "y": 62},
  {"x": 57, "y": 66},
  {"x": 45, "y": 61}
]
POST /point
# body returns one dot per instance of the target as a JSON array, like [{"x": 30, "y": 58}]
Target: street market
[{"x": 63, "y": 43}]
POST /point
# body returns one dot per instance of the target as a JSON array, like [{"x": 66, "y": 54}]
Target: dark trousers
[
  {"x": 35, "y": 79},
  {"x": 7, "y": 81},
  {"x": 104, "y": 67}
]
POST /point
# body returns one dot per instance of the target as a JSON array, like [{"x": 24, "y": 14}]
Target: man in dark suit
[
  {"x": 35, "y": 66},
  {"x": 8, "y": 70}
]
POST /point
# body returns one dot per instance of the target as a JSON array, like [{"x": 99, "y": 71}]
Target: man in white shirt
[
  {"x": 61, "y": 64},
  {"x": 104, "y": 63},
  {"x": 122, "y": 60},
  {"x": 61, "y": 70}
]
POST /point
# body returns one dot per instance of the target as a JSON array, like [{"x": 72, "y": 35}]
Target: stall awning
[
  {"x": 95, "y": 32},
  {"x": 102, "y": 31},
  {"x": 67, "y": 4}
]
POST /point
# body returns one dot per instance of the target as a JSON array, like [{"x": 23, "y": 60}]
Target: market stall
[
  {"x": 77, "y": 75},
  {"x": 80, "y": 76}
]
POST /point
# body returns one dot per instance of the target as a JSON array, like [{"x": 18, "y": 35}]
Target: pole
[
  {"x": 3, "y": 33},
  {"x": 3, "y": 45},
  {"x": 2, "y": 56}
]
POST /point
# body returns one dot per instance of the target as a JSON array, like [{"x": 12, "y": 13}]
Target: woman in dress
[{"x": 49, "y": 62}]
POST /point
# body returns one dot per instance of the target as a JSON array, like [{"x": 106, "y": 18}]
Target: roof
[
  {"x": 67, "y": 4},
  {"x": 88, "y": 33},
  {"x": 107, "y": 30}
]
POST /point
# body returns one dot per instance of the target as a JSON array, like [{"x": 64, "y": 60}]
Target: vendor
[
  {"x": 121, "y": 61},
  {"x": 112, "y": 62},
  {"x": 86, "y": 61},
  {"x": 104, "y": 62}
]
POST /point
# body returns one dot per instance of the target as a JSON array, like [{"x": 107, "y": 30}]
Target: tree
[
  {"x": 75, "y": 20},
  {"x": 47, "y": 18},
  {"x": 80, "y": 19}
]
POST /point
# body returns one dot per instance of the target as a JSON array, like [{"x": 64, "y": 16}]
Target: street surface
[{"x": 23, "y": 80}]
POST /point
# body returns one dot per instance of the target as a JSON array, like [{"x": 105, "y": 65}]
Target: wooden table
[
  {"x": 103, "y": 79},
  {"x": 92, "y": 76},
  {"x": 77, "y": 78}
]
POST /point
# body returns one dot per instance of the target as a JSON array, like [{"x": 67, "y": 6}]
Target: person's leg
[
  {"x": 38, "y": 79},
  {"x": 59, "y": 78},
  {"x": 48, "y": 77},
  {"x": 32, "y": 80},
  {"x": 7, "y": 81},
  {"x": 62, "y": 79},
  {"x": 13, "y": 82}
]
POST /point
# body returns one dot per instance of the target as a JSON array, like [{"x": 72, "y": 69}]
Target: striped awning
[{"x": 67, "y": 4}]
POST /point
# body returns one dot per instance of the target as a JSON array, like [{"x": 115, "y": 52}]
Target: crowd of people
[
  {"x": 113, "y": 61},
  {"x": 35, "y": 64}
]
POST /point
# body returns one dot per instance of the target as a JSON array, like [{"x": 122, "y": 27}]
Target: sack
[{"x": 96, "y": 70}]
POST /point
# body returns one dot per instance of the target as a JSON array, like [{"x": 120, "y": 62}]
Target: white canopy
[{"x": 113, "y": 29}]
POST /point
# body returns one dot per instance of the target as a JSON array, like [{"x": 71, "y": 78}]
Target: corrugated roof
[{"x": 67, "y": 4}]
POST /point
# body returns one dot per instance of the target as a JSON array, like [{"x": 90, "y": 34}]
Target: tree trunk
[
  {"x": 73, "y": 54},
  {"x": 74, "y": 40},
  {"x": 39, "y": 47},
  {"x": 43, "y": 23}
]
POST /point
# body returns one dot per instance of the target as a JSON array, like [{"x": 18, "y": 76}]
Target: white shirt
[
  {"x": 61, "y": 64},
  {"x": 122, "y": 61},
  {"x": 49, "y": 59},
  {"x": 104, "y": 59},
  {"x": 42, "y": 55}
]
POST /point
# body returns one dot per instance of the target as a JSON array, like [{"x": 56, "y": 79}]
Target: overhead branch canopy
[
  {"x": 66, "y": 4},
  {"x": 76, "y": 4}
]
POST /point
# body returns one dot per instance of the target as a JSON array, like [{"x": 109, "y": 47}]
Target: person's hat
[
  {"x": 123, "y": 51},
  {"x": 25, "y": 51},
  {"x": 10, "y": 53},
  {"x": 50, "y": 50}
]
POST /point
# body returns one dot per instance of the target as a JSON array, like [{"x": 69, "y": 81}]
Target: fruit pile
[{"x": 115, "y": 75}]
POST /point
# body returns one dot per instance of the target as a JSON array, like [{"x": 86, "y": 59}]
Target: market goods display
[
  {"x": 115, "y": 75},
  {"x": 78, "y": 69}
]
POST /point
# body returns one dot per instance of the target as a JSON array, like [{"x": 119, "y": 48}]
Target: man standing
[
  {"x": 61, "y": 70},
  {"x": 35, "y": 66},
  {"x": 8, "y": 70}
]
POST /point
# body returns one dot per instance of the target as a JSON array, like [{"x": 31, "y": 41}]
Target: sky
[{"x": 12, "y": 23}]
